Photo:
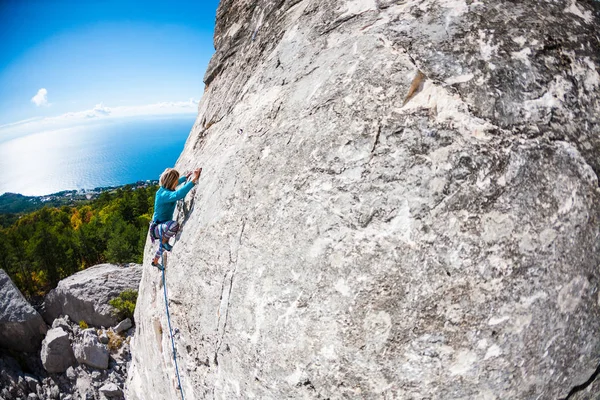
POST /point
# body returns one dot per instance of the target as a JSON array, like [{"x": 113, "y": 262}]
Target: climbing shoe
[
  {"x": 157, "y": 265},
  {"x": 167, "y": 246}
]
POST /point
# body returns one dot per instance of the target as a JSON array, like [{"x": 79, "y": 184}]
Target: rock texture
[
  {"x": 85, "y": 295},
  {"x": 111, "y": 390},
  {"x": 399, "y": 200},
  {"x": 21, "y": 327},
  {"x": 590, "y": 392},
  {"x": 123, "y": 325},
  {"x": 57, "y": 353},
  {"x": 79, "y": 381},
  {"x": 13, "y": 382},
  {"x": 91, "y": 351}
]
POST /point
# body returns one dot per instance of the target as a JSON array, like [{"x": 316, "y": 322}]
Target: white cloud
[
  {"x": 41, "y": 98},
  {"x": 98, "y": 113}
]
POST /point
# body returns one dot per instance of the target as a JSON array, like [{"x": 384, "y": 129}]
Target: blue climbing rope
[{"x": 164, "y": 279}]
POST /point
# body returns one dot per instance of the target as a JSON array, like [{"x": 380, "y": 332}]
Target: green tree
[
  {"x": 93, "y": 244},
  {"x": 122, "y": 242},
  {"x": 49, "y": 244}
]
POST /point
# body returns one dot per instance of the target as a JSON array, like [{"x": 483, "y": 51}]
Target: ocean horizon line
[
  {"x": 85, "y": 190},
  {"x": 92, "y": 157}
]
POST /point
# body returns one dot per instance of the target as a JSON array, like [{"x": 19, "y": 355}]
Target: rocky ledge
[
  {"x": 78, "y": 359},
  {"x": 74, "y": 364},
  {"x": 85, "y": 295}
]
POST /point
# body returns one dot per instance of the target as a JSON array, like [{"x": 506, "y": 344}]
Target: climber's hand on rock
[{"x": 197, "y": 173}]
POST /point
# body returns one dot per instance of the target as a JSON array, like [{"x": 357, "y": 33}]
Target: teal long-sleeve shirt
[{"x": 165, "y": 200}]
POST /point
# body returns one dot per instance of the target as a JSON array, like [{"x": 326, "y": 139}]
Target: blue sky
[{"x": 74, "y": 60}]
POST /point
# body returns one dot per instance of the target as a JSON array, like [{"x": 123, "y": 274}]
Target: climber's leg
[
  {"x": 171, "y": 229},
  {"x": 166, "y": 231}
]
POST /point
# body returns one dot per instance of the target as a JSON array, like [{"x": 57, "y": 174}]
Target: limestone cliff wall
[{"x": 399, "y": 200}]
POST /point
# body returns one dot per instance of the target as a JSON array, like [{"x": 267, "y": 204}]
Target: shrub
[
  {"x": 83, "y": 324},
  {"x": 124, "y": 304},
  {"x": 115, "y": 341}
]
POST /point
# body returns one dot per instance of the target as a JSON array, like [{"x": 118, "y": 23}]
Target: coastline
[{"x": 14, "y": 203}]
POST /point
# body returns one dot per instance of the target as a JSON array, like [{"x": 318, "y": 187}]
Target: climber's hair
[{"x": 169, "y": 179}]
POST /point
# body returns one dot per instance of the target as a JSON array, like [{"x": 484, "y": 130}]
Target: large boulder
[
  {"x": 90, "y": 351},
  {"x": 85, "y": 295},
  {"x": 21, "y": 327},
  {"x": 399, "y": 200},
  {"x": 57, "y": 353}
]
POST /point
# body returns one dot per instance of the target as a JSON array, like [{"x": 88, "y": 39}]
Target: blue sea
[{"x": 85, "y": 157}]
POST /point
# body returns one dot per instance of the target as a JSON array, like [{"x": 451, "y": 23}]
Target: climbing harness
[{"x": 164, "y": 281}]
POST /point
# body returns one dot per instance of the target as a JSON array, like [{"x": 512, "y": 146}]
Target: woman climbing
[{"x": 163, "y": 227}]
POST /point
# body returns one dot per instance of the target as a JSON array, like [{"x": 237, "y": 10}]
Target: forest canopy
[{"x": 42, "y": 247}]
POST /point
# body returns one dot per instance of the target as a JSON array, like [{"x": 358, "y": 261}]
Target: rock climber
[{"x": 162, "y": 226}]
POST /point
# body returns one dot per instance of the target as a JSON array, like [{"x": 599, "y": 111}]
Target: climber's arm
[{"x": 171, "y": 196}]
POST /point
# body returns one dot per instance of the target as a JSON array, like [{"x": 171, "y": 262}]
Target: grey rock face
[
  {"x": 110, "y": 390},
  {"x": 85, "y": 295},
  {"x": 62, "y": 322},
  {"x": 359, "y": 233},
  {"x": 71, "y": 374},
  {"x": 54, "y": 392},
  {"x": 90, "y": 351},
  {"x": 57, "y": 354},
  {"x": 21, "y": 327},
  {"x": 123, "y": 325}
]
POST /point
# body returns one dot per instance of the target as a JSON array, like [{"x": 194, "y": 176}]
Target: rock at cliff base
[
  {"x": 32, "y": 382},
  {"x": 123, "y": 325},
  {"x": 62, "y": 322},
  {"x": 90, "y": 351},
  {"x": 111, "y": 390},
  {"x": 57, "y": 354},
  {"x": 85, "y": 295},
  {"x": 21, "y": 327},
  {"x": 71, "y": 374}
]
